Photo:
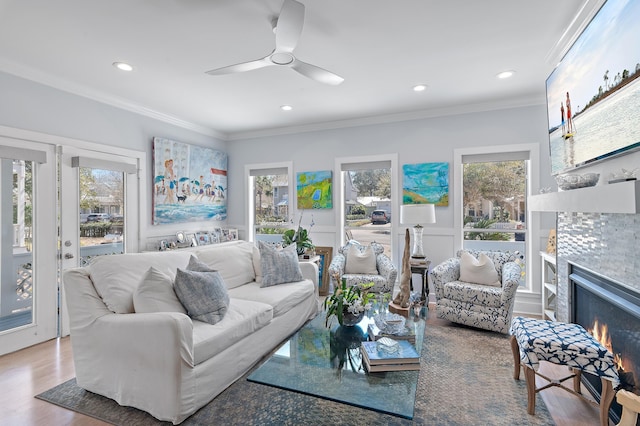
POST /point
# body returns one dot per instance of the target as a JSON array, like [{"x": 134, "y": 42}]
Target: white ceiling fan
[{"x": 288, "y": 30}]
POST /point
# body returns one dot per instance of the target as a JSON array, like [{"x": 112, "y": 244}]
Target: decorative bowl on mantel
[{"x": 576, "y": 181}]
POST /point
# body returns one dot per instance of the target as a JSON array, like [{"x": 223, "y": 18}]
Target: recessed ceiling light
[
  {"x": 123, "y": 66},
  {"x": 420, "y": 88},
  {"x": 286, "y": 107},
  {"x": 506, "y": 74}
]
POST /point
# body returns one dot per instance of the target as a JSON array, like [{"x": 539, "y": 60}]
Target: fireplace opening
[{"x": 611, "y": 313}]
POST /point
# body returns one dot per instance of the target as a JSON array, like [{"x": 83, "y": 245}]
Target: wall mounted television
[{"x": 593, "y": 95}]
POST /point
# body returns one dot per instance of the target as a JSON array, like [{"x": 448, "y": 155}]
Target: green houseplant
[
  {"x": 300, "y": 237},
  {"x": 348, "y": 302}
]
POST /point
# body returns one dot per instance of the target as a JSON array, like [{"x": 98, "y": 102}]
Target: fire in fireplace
[{"x": 611, "y": 313}]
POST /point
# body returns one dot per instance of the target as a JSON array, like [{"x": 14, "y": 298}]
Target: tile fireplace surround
[{"x": 605, "y": 243}]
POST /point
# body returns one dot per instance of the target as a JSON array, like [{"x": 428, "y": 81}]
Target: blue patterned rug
[{"x": 465, "y": 379}]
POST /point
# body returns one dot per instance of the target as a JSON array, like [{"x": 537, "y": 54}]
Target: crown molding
[
  {"x": 393, "y": 118},
  {"x": 40, "y": 77}
]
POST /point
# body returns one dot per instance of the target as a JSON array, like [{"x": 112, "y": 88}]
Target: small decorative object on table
[
  {"x": 575, "y": 181},
  {"x": 348, "y": 304}
]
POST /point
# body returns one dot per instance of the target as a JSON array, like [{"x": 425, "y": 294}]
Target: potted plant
[
  {"x": 300, "y": 237},
  {"x": 348, "y": 304}
]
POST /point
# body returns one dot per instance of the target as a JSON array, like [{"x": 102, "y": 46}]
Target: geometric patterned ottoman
[{"x": 534, "y": 340}]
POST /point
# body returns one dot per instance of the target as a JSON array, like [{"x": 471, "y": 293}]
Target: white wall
[{"x": 39, "y": 108}]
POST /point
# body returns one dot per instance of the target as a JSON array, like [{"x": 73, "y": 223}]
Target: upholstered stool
[{"x": 534, "y": 340}]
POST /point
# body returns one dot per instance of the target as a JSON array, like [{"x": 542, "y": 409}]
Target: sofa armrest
[
  {"x": 511, "y": 273},
  {"x": 387, "y": 269},
  {"x": 447, "y": 271},
  {"x": 336, "y": 267},
  {"x": 310, "y": 272}
]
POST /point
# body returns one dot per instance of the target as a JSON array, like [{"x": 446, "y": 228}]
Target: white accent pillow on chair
[
  {"x": 478, "y": 271},
  {"x": 361, "y": 261}
]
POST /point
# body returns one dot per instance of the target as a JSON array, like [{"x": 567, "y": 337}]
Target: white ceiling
[{"x": 380, "y": 47}]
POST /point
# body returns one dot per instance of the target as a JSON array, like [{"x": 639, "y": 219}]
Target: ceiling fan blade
[
  {"x": 245, "y": 66},
  {"x": 316, "y": 73},
  {"x": 289, "y": 25}
]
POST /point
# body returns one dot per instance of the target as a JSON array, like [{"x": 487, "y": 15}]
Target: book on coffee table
[
  {"x": 389, "y": 367},
  {"x": 407, "y": 333},
  {"x": 406, "y": 354}
]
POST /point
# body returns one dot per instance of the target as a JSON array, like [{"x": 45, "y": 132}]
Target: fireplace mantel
[{"x": 623, "y": 197}]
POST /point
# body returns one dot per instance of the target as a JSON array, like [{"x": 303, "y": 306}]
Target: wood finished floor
[{"x": 31, "y": 371}]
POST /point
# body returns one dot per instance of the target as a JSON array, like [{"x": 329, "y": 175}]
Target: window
[
  {"x": 492, "y": 207},
  {"x": 270, "y": 208}
]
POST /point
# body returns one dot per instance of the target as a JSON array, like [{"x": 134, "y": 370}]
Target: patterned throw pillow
[
  {"x": 155, "y": 294},
  {"x": 279, "y": 266},
  {"x": 478, "y": 271},
  {"x": 202, "y": 293}
]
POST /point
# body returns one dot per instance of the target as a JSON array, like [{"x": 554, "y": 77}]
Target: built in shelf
[{"x": 622, "y": 197}]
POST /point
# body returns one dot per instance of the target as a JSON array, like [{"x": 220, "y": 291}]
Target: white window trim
[
  {"x": 249, "y": 219},
  {"x": 533, "y": 220},
  {"x": 339, "y": 195}
]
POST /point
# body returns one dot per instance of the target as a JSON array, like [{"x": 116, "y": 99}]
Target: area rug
[{"x": 466, "y": 378}]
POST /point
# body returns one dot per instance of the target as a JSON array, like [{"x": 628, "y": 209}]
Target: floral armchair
[
  {"x": 477, "y": 305},
  {"x": 383, "y": 281}
]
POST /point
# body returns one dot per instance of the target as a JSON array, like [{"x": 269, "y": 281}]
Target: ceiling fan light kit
[{"x": 288, "y": 28}]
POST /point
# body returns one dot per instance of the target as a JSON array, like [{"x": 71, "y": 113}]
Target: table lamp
[{"x": 417, "y": 214}]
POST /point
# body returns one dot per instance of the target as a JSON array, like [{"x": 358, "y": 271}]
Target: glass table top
[{"x": 327, "y": 363}]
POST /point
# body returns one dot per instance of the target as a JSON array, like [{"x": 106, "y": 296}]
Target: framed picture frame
[
  {"x": 204, "y": 238},
  {"x": 324, "y": 280},
  {"x": 216, "y": 235},
  {"x": 233, "y": 234}
]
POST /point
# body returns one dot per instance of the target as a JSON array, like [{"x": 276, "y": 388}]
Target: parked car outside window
[
  {"x": 98, "y": 217},
  {"x": 379, "y": 216}
]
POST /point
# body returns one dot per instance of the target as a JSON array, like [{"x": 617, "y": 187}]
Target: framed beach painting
[
  {"x": 314, "y": 190},
  {"x": 189, "y": 183},
  {"x": 425, "y": 183}
]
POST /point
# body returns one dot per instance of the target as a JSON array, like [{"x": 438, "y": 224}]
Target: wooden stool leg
[
  {"x": 515, "y": 349},
  {"x": 530, "y": 376},
  {"x": 605, "y": 401},
  {"x": 576, "y": 379}
]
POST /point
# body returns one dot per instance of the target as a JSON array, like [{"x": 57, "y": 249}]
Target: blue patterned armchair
[
  {"x": 477, "y": 305},
  {"x": 383, "y": 281}
]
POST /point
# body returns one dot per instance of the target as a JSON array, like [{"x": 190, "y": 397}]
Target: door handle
[{"x": 68, "y": 256}]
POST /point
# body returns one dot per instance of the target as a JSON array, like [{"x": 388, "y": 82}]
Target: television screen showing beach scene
[{"x": 593, "y": 95}]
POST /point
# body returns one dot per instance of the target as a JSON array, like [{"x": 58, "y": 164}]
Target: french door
[
  {"x": 98, "y": 208},
  {"x": 28, "y": 244}
]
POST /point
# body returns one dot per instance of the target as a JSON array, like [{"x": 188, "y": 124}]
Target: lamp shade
[{"x": 417, "y": 214}]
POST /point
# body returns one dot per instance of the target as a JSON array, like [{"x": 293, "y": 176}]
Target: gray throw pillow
[
  {"x": 279, "y": 266},
  {"x": 196, "y": 264},
  {"x": 203, "y": 294}
]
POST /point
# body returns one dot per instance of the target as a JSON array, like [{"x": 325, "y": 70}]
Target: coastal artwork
[
  {"x": 189, "y": 184},
  {"x": 314, "y": 190},
  {"x": 593, "y": 96},
  {"x": 425, "y": 183}
]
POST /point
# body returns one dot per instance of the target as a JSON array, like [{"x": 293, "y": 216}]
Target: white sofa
[{"x": 165, "y": 363}]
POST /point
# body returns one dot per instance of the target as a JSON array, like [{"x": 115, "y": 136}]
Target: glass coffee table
[{"x": 327, "y": 363}]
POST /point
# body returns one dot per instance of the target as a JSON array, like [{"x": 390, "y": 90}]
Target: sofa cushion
[
  {"x": 279, "y": 266},
  {"x": 281, "y": 297},
  {"x": 478, "y": 271},
  {"x": 233, "y": 259},
  {"x": 155, "y": 294},
  {"x": 477, "y": 294},
  {"x": 243, "y": 318},
  {"x": 203, "y": 294},
  {"x": 116, "y": 277},
  {"x": 256, "y": 264},
  {"x": 360, "y": 260}
]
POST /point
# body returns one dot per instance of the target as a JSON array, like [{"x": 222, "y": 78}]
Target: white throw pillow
[
  {"x": 361, "y": 260},
  {"x": 256, "y": 264},
  {"x": 155, "y": 294},
  {"x": 478, "y": 271}
]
